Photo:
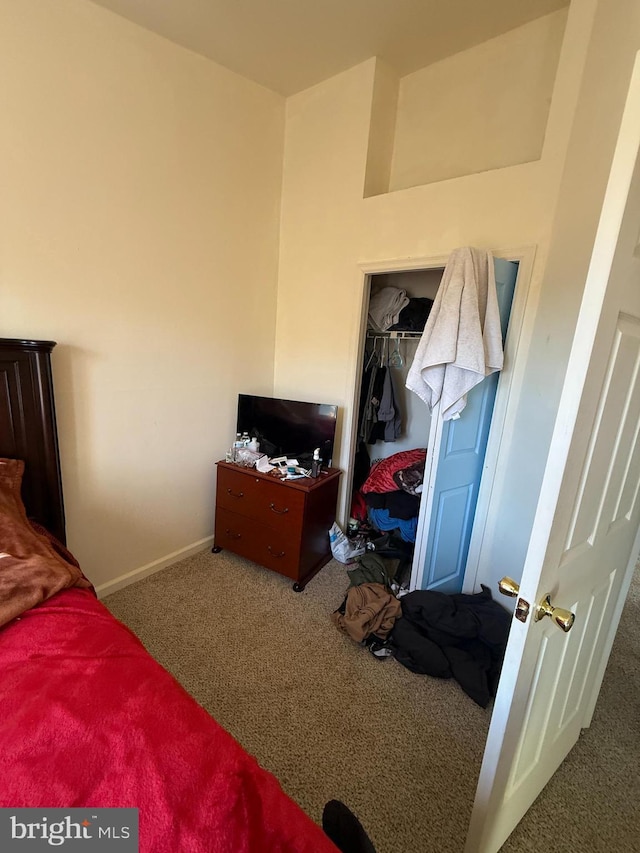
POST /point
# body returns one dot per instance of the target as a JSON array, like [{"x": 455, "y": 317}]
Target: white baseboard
[{"x": 151, "y": 568}]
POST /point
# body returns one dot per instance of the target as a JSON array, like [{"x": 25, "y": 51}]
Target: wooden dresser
[{"x": 282, "y": 525}]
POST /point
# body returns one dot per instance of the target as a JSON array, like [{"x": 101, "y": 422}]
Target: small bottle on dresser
[{"x": 316, "y": 463}]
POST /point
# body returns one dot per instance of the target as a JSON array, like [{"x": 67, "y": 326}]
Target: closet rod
[{"x": 394, "y": 335}]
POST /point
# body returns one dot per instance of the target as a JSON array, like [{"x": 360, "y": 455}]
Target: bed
[{"x": 89, "y": 719}]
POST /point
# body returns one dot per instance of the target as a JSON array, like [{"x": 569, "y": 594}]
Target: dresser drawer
[
  {"x": 264, "y": 545},
  {"x": 267, "y": 502}
]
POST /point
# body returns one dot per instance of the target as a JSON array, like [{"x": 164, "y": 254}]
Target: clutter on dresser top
[{"x": 245, "y": 451}]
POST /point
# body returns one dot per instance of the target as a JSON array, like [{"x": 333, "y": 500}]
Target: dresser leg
[
  {"x": 298, "y": 587},
  {"x": 216, "y": 549}
]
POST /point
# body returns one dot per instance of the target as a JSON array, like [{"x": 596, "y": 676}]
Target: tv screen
[{"x": 288, "y": 427}]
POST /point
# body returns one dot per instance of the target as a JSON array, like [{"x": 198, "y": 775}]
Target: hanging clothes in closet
[
  {"x": 394, "y": 319},
  {"x": 380, "y": 418}
]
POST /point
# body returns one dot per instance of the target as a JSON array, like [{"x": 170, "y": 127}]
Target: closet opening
[{"x": 416, "y": 478}]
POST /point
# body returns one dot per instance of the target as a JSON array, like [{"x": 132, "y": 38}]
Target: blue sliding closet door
[{"x": 459, "y": 468}]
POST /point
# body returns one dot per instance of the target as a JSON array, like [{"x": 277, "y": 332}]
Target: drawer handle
[
  {"x": 233, "y": 535},
  {"x": 281, "y": 554},
  {"x": 272, "y": 507},
  {"x": 235, "y": 494}
]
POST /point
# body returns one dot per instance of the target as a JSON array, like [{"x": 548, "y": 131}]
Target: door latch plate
[{"x": 522, "y": 610}]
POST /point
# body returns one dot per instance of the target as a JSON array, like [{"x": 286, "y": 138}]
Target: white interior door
[{"x": 584, "y": 541}]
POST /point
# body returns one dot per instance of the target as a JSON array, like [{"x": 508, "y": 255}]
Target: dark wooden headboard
[{"x": 28, "y": 428}]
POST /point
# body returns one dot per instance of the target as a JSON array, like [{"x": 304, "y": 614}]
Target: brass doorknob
[
  {"x": 563, "y": 618},
  {"x": 508, "y": 586}
]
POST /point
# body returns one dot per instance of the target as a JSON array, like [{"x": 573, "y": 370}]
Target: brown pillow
[{"x": 30, "y": 570}]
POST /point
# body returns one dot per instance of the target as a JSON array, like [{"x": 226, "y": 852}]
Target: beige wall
[
  {"x": 321, "y": 267},
  {"x": 382, "y": 129},
  {"x": 614, "y": 41},
  {"x": 484, "y": 108},
  {"x": 318, "y": 293},
  {"x": 139, "y": 218}
]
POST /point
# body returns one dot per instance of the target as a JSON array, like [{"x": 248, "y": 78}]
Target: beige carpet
[{"x": 331, "y": 721}]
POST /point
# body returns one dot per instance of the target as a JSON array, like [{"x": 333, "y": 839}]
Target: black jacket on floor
[{"x": 459, "y": 636}]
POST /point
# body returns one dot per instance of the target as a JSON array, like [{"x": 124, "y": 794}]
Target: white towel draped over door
[{"x": 462, "y": 340}]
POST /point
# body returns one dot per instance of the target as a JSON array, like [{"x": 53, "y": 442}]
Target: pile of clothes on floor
[
  {"x": 457, "y": 636},
  {"x": 389, "y": 498}
]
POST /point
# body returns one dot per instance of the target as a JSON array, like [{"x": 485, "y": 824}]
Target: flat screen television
[{"x": 289, "y": 428}]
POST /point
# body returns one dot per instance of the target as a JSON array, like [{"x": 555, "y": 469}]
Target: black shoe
[
  {"x": 380, "y": 543},
  {"x": 379, "y": 648},
  {"x": 344, "y": 829}
]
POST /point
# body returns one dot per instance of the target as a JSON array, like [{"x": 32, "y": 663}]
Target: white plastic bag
[{"x": 344, "y": 550}]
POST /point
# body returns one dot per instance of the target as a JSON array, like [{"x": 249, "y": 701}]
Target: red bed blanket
[{"x": 88, "y": 718}]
